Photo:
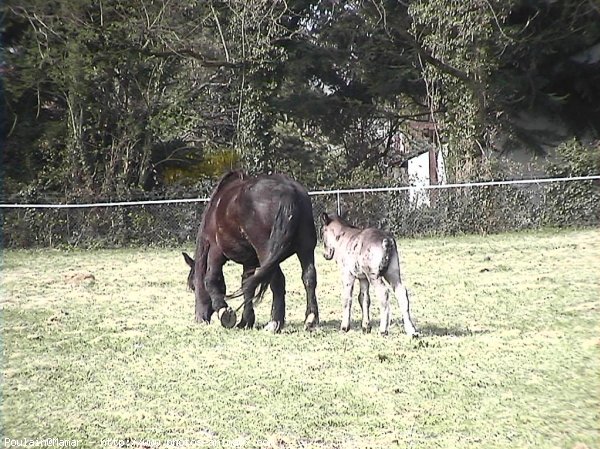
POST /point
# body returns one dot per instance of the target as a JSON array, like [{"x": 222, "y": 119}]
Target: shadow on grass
[
  {"x": 328, "y": 326},
  {"x": 335, "y": 324},
  {"x": 430, "y": 329},
  {"x": 425, "y": 330}
]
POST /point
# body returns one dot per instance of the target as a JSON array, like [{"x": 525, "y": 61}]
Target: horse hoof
[
  {"x": 345, "y": 328},
  {"x": 244, "y": 325},
  {"x": 273, "y": 326},
  {"x": 227, "y": 317},
  {"x": 366, "y": 329},
  {"x": 311, "y": 322}
]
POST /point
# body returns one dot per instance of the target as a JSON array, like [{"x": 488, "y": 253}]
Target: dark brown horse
[{"x": 257, "y": 222}]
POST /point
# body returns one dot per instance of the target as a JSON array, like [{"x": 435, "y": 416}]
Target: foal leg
[
  {"x": 248, "y": 317},
  {"x": 384, "y": 300},
  {"x": 393, "y": 277},
  {"x": 347, "y": 288},
  {"x": 309, "y": 278},
  {"x": 365, "y": 304},
  {"x": 278, "y": 307}
]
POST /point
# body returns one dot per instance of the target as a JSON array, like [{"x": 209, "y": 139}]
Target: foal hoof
[
  {"x": 411, "y": 332},
  {"x": 227, "y": 317},
  {"x": 311, "y": 322},
  {"x": 366, "y": 329}
]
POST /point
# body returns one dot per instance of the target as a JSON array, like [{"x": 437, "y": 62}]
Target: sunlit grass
[{"x": 510, "y": 353}]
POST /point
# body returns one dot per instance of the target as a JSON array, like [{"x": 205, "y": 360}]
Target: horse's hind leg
[
  {"x": 347, "y": 288},
  {"x": 393, "y": 277},
  {"x": 277, "y": 285},
  {"x": 382, "y": 292},
  {"x": 365, "y": 304},
  {"x": 309, "y": 278},
  {"x": 248, "y": 317}
]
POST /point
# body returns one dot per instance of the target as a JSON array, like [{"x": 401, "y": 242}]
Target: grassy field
[{"x": 509, "y": 357}]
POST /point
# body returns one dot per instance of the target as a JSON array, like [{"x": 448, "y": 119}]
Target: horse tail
[
  {"x": 280, "y": 242},
  {"x": 387, "y": 245}
]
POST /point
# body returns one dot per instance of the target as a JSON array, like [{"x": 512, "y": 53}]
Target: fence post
[{"x": 339, "y": 209}]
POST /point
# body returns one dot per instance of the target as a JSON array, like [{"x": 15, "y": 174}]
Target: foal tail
[
  {"x": 387, "y": 245},
  {"x": 281, "y": 238}
]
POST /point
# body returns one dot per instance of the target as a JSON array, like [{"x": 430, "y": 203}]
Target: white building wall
[{"x": 418, "y": 175}]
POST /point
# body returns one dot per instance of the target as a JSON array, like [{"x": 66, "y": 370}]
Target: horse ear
[
  {"x": 326, "y": 218},
  {"x": 188, "y": 260}
]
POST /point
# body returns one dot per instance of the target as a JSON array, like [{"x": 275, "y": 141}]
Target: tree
[
  {"x": 107, "y": 99},
  {"x": 112, "y": 95},
  {"x": 346, "y": 76},
  {"x": 488, "y": 62}
]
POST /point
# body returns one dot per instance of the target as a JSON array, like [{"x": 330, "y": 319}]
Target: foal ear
[
  {"x": 188, "y": 260},
  {"x": 326, "y": 218}
]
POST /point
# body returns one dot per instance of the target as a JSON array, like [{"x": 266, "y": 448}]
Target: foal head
[{"x": 331, "y": 232}]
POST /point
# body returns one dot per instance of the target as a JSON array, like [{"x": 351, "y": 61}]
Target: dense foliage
[
  {"x": 106, "y": 99},
  {"x": 142, "y": 99}
]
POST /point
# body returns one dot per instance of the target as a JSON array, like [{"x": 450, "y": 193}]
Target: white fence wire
[
  {"x": 336, "y": 192},
  {"x": 491, "y": 206}
]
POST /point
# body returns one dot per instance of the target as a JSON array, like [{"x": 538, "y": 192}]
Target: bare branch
[{"x": 220, "y": 32}]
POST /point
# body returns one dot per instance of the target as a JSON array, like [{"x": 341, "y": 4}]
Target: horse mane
[
  {"x": 226, "y": 179},
  {"x": 223, "y": 181}
]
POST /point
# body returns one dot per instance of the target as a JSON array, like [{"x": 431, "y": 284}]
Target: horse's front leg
[
  {"x": 204, "y": 308},
  {"x": 203, "y": 305},
  {"x": 214, "y": 283},
  {"x": 277, "y": 285},
  {"x": 347, "y": 288},
  {"x": 248, "y": 317}
]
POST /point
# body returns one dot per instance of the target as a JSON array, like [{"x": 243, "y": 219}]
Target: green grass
[{"x": 509, "y": 358}]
